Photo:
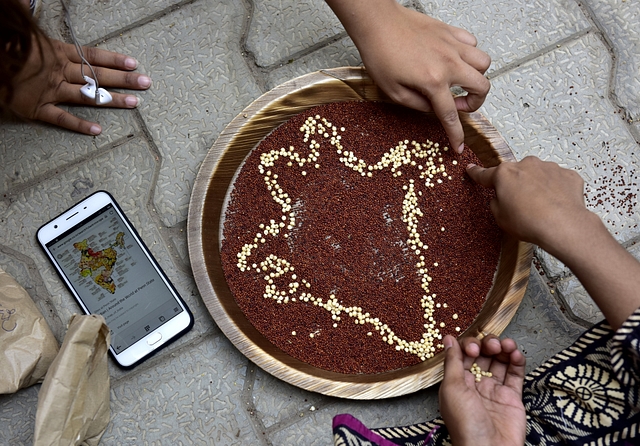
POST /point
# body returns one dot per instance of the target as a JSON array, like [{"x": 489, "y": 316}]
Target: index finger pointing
[
  {"x": 481, "y": 175},
  {"x": 445, "y": 108}
]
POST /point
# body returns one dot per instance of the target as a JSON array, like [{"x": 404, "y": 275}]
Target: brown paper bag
[
  {"x": 73, "y": 403},
  {"x": 27, "y": 345}
]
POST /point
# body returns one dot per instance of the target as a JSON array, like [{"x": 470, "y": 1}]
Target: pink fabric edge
[{"x": 356, "y": 425}]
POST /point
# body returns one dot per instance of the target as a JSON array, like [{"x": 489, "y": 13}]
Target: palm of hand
[{"x": 498, "y": 412}]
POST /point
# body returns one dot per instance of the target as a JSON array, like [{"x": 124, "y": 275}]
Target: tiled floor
[{"x": 565, "y": 87}]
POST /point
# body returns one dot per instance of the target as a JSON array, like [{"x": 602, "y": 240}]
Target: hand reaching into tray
[
  {"x": 542, "y": 203},
  {"x": 416, "y": 59}
]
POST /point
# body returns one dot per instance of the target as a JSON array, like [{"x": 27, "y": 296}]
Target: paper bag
[
  {"x": 73, "y": 403},
  {"x": 27, "y": 345}
]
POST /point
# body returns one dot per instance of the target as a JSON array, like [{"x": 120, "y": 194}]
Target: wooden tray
[{"x": 204, "y": 226}]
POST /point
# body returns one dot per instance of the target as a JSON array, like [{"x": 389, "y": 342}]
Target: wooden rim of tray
[{"x": 204, "y": 225}]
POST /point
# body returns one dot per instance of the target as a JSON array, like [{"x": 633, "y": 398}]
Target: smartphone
[{"x": 110, "y": 271}]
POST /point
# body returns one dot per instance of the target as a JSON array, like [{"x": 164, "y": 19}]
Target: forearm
[
  {"x": 608, "y": 272},
  {"x": 360, "y": 18}
]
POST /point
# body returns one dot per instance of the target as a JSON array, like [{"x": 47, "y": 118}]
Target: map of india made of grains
[{"x": 354, "y": 241}]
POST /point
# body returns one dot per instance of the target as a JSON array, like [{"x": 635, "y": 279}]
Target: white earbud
[
  {"x": 102, "y": 96},
  {"x": 89, "y": 90}
]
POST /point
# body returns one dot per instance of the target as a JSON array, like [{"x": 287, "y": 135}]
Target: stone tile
[
  {"x": 51, "y": 148},
  {"x": 511, "y": 30},
  {"x": 267, "y": 394},
  {"x": 93, "y": 20},
  {"x": 619, "y": 21},
  {"x": 578, "y": 301},
  {"x": 279, "y": 30},
  {"x": 339, "y": 54},
  {"x": 192, "y": 396},
  {"x": 555, "y": 107},
  {"x": 18, "y": 416},
  {"x": 201, "y": 82}
]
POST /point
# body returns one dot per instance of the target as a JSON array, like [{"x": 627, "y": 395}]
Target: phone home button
[{"x": 154, "y": 338}]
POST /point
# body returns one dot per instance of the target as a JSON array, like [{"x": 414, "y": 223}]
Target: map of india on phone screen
[{"x": 114, "y": 278}]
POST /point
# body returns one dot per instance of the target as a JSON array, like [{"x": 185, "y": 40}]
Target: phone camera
[{"x": 55, "y": 226}]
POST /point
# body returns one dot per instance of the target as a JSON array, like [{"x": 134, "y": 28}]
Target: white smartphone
[{"x": 110, "y": 272}]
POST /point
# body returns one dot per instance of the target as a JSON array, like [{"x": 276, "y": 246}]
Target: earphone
[
  {"x": 101, "y": 95},
  {"x": 91, "y": 89}
]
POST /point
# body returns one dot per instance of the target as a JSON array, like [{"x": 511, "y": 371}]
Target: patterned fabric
[{"x": 588, "y": 394}]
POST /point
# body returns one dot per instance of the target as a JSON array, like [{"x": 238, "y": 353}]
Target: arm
[
  {"x": 488, "y": 411},
  {"x": 542, "y": 203},
  {"x": 415, "y": 59},
  {"x": 52, "y": 76}
]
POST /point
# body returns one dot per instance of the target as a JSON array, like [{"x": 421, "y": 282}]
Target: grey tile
[
  {"x": 511, "y": 30},
  {"x": 18, "y": 416},
  {"x": 190, "y": 397},
  {"x": 278, "y": 30},
  {"x": 51, "y": 149},
  {"x": 619, "y": 22},
  {"x": 339, "y": 54},
  {"x": 275, "y": 400},
  {"x": 578, "y": 301},
  {"x": 201, "y": 82},
  {"x": 281, "y": 32},
  {"x": 93, "y": 20}
]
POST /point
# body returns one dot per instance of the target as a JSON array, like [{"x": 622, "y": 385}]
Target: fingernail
[
  {"x": 448, "y": 343},
  {"x": 95, "y": 129},
  {"x": 144, "y": 81},
  {"x": 461, "y": 148},
  {"x": 495, "y": 342},
  {"x": 131, "y": 101},
  {"x": 130, "y": 63},
  {"x": 471, "y": 166}
]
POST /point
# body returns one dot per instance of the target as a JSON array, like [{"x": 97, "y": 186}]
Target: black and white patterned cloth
[{"x": 588, "y": 394}]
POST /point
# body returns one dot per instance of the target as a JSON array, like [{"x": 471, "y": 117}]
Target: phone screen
[{"x": 114, "y": 277}]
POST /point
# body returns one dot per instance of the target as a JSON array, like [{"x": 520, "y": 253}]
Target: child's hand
[
  {"x": 536, "y": 201},
  {"x": 416, "y": 59},
  {"x": 41, "y": 86},
  {"x": 489, "y": 411}
]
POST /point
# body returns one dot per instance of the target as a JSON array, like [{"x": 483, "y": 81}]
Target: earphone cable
[{"x": 76, "y": 43}]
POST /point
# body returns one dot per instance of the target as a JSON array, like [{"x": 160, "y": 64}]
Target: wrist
[{"x": 569, "y": 238}]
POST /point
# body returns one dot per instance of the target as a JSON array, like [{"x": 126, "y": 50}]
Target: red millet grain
[{"x": 349, "y": 240}]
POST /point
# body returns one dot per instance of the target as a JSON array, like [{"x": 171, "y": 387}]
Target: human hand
[
  {"x": 537, "y": 201},
  {"x": 486, "y": 412},
  {"x": 416, "y": 59},
  {"x": 41, "y": 86}
]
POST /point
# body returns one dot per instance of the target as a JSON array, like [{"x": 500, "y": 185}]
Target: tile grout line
[
  {"x": 33, "y": 182},
  {"x": 541, "y": 52}
]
